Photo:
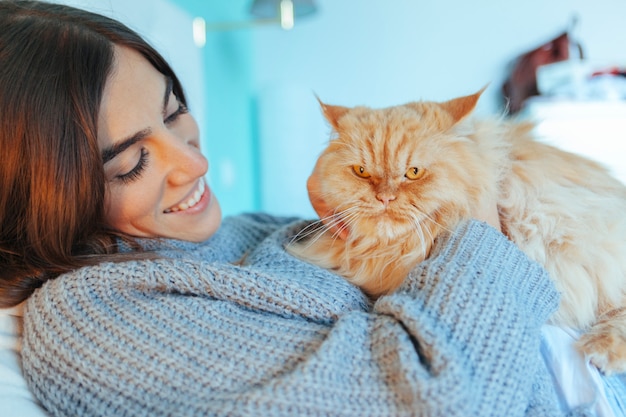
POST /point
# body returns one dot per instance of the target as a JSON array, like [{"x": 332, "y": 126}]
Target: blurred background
[{"x": 252, "y": 83}]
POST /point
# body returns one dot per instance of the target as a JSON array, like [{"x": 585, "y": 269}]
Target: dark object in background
[{"x": 522, "y": 83}]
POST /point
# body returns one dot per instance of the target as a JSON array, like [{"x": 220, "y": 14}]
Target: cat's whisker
[
  {"x": 347, "y": 221},
  {"x": 424, "y": 234},
  {"x": 307, "y": 231},
  {"x": 429, "y": 217},
  {"x": 341, "y": 215},
  {"x": 422, "y": 238},
  {"x": 431, "y": 238},
  {"x": 337, "y": 220},
  {"x": 317, "y": 231},
  {"x": 316, "y": 236},
  {"x": 447, "y": 229}
]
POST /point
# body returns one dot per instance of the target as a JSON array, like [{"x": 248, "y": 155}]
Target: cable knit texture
[{"x": 196, "y": 334}]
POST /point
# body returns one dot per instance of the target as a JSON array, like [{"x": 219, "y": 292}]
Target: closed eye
[
  {"x": 182, "y": 109},
  {"x": 136, "y": 172}
]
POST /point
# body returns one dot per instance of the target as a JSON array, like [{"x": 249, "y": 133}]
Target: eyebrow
[
  {"x": 112, "y": 151},
  {"x": 119, "y": 147}
]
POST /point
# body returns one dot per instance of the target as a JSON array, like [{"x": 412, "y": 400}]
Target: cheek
[
  {"x": 126, "y": 208},
  {"x": 114, "y": 208},
  {"x": 340, "y": 187}
]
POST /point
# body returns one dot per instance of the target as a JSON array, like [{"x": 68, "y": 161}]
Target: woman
[{"x": 141, "y": 301}]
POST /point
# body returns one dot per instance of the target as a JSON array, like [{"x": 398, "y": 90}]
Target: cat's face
[{"x": 399, "y": 170}]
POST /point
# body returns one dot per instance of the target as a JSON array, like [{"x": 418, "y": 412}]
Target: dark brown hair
[{"x": 54, "y": 63}]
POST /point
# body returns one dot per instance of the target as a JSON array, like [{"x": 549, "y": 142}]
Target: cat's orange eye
[
  {"x": 360, "y": 171},
  {"x": 414, "y": 173}
]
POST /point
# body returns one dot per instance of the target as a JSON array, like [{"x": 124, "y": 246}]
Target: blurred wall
[
  {"x": 253, "y": 90},
  {"x": 382, "y": 52},
  {"x": 372, "y": 52}
]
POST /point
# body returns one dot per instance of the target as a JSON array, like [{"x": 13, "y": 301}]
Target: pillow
[{"x": 16, "y": 399}]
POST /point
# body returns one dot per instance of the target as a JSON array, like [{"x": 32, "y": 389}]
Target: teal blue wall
[{"x": 228, "y": 131}]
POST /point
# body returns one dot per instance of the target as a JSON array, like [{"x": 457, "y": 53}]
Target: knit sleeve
[
  {"x": 236, "y": 236},
  {"x": 482, "y": 296},
  {"x": 282, "y": 338}
]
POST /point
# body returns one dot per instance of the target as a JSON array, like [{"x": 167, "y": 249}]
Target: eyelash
[
  {"x": 136, "y": 172},
  {"x": 182, "y": 109}
]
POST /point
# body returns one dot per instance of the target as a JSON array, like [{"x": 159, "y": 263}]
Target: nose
[
  {"x": 385, "y": 198},
  {"x": 183, "y": 160}
]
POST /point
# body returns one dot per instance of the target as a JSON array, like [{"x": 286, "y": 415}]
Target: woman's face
[{"x": 152, "y": 161}]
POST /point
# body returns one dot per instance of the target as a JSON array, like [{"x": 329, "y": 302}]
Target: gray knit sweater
[{"x": 191, "y": 334}]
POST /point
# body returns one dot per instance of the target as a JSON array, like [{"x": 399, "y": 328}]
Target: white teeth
[{"x": 193, "y": 200}]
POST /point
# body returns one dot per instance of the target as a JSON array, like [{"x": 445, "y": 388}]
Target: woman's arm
[
  {"x": 181, "y": 337},
  {"x": 486, "y": 299}
]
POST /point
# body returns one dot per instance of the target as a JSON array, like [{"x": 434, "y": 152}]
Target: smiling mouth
[{"x": 191, "y": 201}]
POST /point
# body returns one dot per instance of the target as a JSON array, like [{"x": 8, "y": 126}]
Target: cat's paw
[{"x": 605, "y": 346}]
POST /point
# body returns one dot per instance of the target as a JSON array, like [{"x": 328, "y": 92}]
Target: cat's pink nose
[{"x": 385, "y": 198}]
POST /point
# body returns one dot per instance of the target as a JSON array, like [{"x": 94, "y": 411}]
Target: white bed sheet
[{"x": 578, "y": 382}]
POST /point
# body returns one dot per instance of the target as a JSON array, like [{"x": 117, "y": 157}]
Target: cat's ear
[
  {"x": 332, "y": 113},
  {"x": 461, "y": 107}
]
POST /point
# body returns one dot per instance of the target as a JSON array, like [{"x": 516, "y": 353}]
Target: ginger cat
[{"x": 399, "y": 176}]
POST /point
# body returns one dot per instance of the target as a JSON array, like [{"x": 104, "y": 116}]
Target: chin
[
  {"x": 209, "y": 232},
  {"x": 210, "y": 225}
]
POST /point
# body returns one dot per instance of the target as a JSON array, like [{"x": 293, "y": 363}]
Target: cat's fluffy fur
[{"x": 563, "y": 210}]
